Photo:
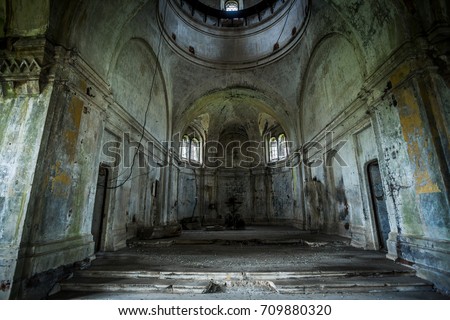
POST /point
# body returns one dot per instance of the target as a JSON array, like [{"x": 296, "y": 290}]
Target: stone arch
[
  {"x": 131, "y": 81},
  {"x": 259, "y": 100},
  {"x": 327, "y": 90}
]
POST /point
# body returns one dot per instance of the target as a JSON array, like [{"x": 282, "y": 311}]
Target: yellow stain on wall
[
  {"x": 413, "y": 133},
  {"x": 60, "y": 181},
  {"x": 76, "y": 110},
  {"x": 83, "y": 85},
  {"x": 71, "y": 135},
  {"x": 400, "y": 74}
]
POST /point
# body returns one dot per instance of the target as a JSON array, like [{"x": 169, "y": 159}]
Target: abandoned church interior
[{"x": 202, "y": 145}]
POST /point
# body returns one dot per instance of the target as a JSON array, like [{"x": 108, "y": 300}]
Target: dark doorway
[
  {"x": 99, "y": 206},
  {"x": 379, "y": 204}
]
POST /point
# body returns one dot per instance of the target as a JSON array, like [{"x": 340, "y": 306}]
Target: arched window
[
  {"x": 278, "y": 148},
  {"x": 190, "y": 149},
  {"x": 184, "y": 149},
  {"x": 195, "y": 150},
  {"x": 231, "y": 5},
  {"x": 273, "y": 147},
  {"x": 282, "y": 147}
]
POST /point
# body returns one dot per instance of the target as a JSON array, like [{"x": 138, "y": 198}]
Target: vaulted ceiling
[{"x": 99, "y": 30}]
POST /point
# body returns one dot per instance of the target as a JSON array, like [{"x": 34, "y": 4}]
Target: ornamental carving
[{"x": 19, "y": 67}]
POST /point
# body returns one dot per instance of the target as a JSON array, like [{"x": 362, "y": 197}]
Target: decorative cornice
[
  {"x": 13, "y": 67},
  {"x": 24, "y": 66}
]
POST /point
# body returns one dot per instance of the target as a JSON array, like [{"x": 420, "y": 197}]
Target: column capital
[{"x": 25, "y": 66}]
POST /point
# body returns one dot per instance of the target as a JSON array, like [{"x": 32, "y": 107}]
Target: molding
[
  {"x": 120, "y": 121},
  {"x": 45, "y": 256},
  {"x": 442, "y": 246},
  {"x": 25, "y": 67},
  {"x": 81, "y": 80},
  {"x": 14, "y": 67},
  {"x": 430, "y": 257},
  {"x": 37, "y": 249},
  {"x": 74, "y": 70},
  {"x": 37, "y": 62},
  {"x": 358, "y": 121},
  {"x": 414, "y": 54},
  {"x": 83, "y": 69}
]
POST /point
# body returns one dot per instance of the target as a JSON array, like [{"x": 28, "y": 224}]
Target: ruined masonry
[{"x": 122, "y": 122}]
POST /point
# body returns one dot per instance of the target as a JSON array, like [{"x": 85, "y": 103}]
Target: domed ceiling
[{"x": 258, "y": 33}]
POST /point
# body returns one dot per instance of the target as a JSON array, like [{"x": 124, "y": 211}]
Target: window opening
[
  {"x": 195, "y": 150},
  {"x": 231, "y": 5},
  {"x": 185, "y": 148},
  {"x": 278, "y": 148}
]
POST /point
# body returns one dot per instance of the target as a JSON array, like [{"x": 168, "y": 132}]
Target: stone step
[
  {"x": 369, "y": 284},
  {"x": 314, "y": 285},
  {"x": 222, "y": 241},
  {"x": 146, "y": 285},
  {"x": 237, "y": 276}
]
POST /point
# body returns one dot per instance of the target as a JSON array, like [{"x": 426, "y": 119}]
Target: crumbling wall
[
  {"x": 234, "y": 184},
  {"x": 413, "y": 138},
  {"x": 332, "y": 194},
  {"x": 22, "y": 120},
  {"x": 138, "y": 89},
  {"x": 78, "y": 139},
  {"x": 282, "y": 196},
  {"x": 397, "y": 118},
  {"x": 62, "y": 198},
  {"x": 362, "y": 69},
  {"x": 259, "y": 196}
]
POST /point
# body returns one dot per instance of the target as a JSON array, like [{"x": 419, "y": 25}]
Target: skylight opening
[{"x": 231, "y": 5}]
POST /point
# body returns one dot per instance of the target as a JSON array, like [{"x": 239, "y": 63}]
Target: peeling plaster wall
[
  {"x": 234, "y": 184},
  {"x": 376, "y": 27},
  {"x": 58, "y": 233},
  {"x": 261, "y": 196},
  {"x": 335, "y": 79},
  {"x": 332, "y": 83},
  {"x": 417, "y": 202},
  {"x": 405, "y": 129},
  {"x": 62, "y": 199},
  {"x": 78, "y": 139},
  {"x": 420, "y": 195},
  {"x": 282, "y": 196},
  {"x": 132, "y": 205},
  {"x": 139, "y": 90},
  {"x": 366, "y": 152},
  {"x": 22, "y": 121},
  {"x": 333, "y": 198}
]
